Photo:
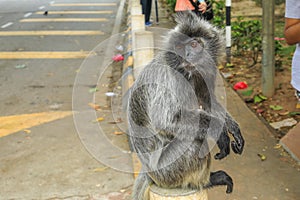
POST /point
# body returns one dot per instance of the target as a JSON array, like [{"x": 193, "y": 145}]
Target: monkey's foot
[{"x": 220, "y": 178}]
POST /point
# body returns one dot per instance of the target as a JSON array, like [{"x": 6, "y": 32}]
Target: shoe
[{"x": 148, "y": 24}]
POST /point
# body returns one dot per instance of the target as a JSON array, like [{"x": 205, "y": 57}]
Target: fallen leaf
[
  {"x": 99, "y": 119},
  {"x": 94, "y": 106},
  {"x": 247, "y": 92},
  {"x": 277, "y": 146},
  {"x": 285, "y": 113},
  {"x": 27, "y": 131},
  {"x": 118, "y": 133},
  {"x": 229, "y": 65},
  {"x": 22, "y": 66},
  {"x": 262, "y": 157},
  {"x": 294, "y": 113},
  {"x": 119, "y": 120},
  {"x": 259, "y": 98},
  {"x": 276, "y": 107},
  {"x": 100, "y": 169},
  {"x": 93, "y": 90},
  {"x": 262, "y": 97},
  {"x": 259, "y": 111}
]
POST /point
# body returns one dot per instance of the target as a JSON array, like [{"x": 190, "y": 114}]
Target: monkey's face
[
  {"x": 189, "y": 51},
  {"x": 188, "y": 55}
]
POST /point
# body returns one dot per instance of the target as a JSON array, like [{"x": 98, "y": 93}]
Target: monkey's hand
[
  {"x": 238, "y": 144},
  {"x": 224, "y": 145}
]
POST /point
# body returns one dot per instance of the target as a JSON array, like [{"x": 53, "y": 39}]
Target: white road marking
[
  {"x": 27, "y": 14},
  {"x": 41, "y": 7},
  {"x": 51, "y": 2},
  {"x": 7, "y": 25}
]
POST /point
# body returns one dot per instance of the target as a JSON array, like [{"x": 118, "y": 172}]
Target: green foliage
[
  {"x": 246, "y": 36},
  {"x": 219, "y": 13},
  {"x": 171, "y": 4}
]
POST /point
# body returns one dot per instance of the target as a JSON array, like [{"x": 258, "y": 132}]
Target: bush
[
  {"x": 171, "y": 4},
  {"x": 246, "y": 35}
]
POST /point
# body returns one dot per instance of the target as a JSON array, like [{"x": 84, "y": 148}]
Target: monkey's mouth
[{"x": 188, "y": 66}]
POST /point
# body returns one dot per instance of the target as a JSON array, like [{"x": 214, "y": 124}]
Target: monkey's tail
[{"x": 141, "y": 187}]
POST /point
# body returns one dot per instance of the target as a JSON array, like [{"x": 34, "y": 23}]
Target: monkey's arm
[
  {"x": 229, "y": 126},
  {"x": 233, "y": 128}
]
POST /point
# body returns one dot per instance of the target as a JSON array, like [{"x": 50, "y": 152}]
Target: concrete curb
[
  {"x": 134, "y": 15},
  {"x": 139, "y": 46}
]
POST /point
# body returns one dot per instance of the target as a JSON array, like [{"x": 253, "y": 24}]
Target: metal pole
[
  {"x": 268, "y": 47},
  {"x": 228, "y": 31},
  {"x": 156, "y": 11}
]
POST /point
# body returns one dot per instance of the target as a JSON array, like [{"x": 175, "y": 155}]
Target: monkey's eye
[{"x": 194, "y": 44}]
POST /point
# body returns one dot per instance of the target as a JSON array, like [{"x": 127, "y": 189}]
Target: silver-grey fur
[{"x": 173, "y": 110}]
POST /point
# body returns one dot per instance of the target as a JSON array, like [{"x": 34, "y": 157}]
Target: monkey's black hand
[
  {"x": 224, "y": 145},
  {"x": 238, "y": 144}
]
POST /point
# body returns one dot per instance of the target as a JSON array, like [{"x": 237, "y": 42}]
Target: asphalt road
[
  {"x": 47, "y": 77},
  {"x": 41, "y": 54}
]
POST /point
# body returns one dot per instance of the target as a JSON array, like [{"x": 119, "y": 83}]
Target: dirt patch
[{"x": 283, "y": 103}]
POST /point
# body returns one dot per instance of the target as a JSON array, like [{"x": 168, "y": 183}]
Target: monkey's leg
[{"x": 220, "y": 178}]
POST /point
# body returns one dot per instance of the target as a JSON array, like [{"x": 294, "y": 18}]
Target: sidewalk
[
  {"x": 51, "y": 162},
  {"x": 276, "y": 177}
]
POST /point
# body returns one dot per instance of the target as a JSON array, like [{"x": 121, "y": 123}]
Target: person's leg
[
  {"x": 148, "y": 6},
  {"x": 143, "y": 3}
]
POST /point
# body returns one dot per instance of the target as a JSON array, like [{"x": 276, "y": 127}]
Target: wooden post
[
  {"x": 157, "y": 193},
  {"x": 268, "y": 47}
]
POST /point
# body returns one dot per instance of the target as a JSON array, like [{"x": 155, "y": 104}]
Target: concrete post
[
  {"x": 137, "y": 22},
  {"x": 142, "y": 50},
  {"x": 268, "y": 47},
  {"x": 136, "y": 9}
]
